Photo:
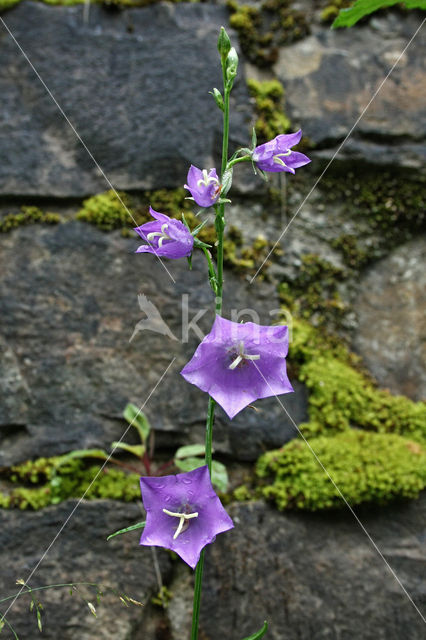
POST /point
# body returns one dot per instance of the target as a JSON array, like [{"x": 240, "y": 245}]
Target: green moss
[
  {"x": 367, "y": 467},
  {"x": 343, "y": 395},
  {"x": 107, "y": 211},
  {"x": 57, "y": 483},
  {"x": 386, "y": 209},
  {"x": 269, "y": 99},
  {"x": 27, "y": 215},
  {"x": 314, "y": 292},
  {"x": 261, "y": 30},
  {"x": 7, "y": 4},
  {"x": 330, "y": 12}
]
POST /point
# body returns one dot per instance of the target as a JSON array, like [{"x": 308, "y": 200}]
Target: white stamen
[
  {"x": 206, "y": 180},
  {"x": 183, "y": 520},
  {"x": 242, "y": 356},
  {"x": 152, "y": 235},
  {"x": 236, "y": 362},
  {"x": 164, "y": 227}
]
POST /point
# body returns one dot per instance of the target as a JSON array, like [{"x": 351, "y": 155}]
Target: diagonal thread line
[
  {"x": 343, "y": 497},
  {"x": 88, "y": 488},
  {"x": 80, "y": 139},
  {"x": 318, "y": 180}
]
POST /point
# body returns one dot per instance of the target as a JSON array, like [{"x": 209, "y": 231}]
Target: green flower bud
[
  {"x": 231, "y": 66},
  {"x": 218, "y": 98},
  {"x": 223, "y": 44}
]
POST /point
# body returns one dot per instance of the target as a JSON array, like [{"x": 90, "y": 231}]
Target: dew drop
[{"x": 186, "y": 480}]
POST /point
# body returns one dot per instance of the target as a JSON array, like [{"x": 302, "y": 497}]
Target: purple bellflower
[
  {"x": 276, "y": 155},
  {"x": 167, "y": 238},
  {"x": 183, "y": 513},
  {"x": 239, "y": 363},
  {"x": 204, "y": 186}
]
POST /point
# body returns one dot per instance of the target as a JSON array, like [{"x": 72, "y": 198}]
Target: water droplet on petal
[{"x": 186, "y": 480}]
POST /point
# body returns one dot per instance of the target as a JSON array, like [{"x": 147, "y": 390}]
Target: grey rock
[
  {"x": 134, "y": 84},
  {"x": 315, "y": 576},
  {"x": 331, "y": 76},
  {"x": 390, "y": 307},
  {"x": 69, "y": 307},
  {"x": 79, "y": 554}
]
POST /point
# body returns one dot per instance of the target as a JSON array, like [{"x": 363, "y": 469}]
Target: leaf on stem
[
  {"x": 136, "y": 418},
  {"x": 258, "y": 634},
  {"x": 139, "y": 525}
]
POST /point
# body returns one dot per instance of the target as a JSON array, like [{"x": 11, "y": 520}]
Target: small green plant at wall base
[{"x": 367, "y": 467}]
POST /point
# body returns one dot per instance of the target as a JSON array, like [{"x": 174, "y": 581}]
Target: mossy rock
[
  {"x": 262, "y": 30},
  {"x": 27, "y": 215},
  {"x": 366, "y": 467},
  {"x": 269, "y": 99},
  {"x": 47, "y": 482},
  {"x": 342, "y": 394}
]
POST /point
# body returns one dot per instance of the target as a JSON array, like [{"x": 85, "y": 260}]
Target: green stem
[
  {"x": 220, "y": 227},
  {"x": 236, "y": 160}
]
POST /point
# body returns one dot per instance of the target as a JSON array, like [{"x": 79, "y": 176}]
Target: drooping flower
[
  {"x": 239, "y": 363},
  {"x": 183, "y": 513},
  {"x": 204, "y": 186},
  {"x": 277, "y": 155},
  {"x": 166, "y": 237}
]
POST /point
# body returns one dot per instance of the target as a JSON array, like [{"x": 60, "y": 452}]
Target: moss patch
[
  {"x": 386, "y": 209},
  {"x": 263, "y": 29},
  {"x": 43, "y": 483},
  {"x": 332, "y": 8},
  {"x": 27, "y": 215},
  {"x": 314, "y": 292},
  {"x": 367, "y": 467},
  {"x": 269, "y": 99},
  {"x": 342, "y": 395}
]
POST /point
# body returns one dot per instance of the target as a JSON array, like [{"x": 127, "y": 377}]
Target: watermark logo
[{"x": 153, "y": 321}]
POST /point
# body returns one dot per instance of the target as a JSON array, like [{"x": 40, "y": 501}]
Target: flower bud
[
  {"x": 218, "y": 98},
  {"x": 223, "y": 44},
  {"x": 231, "y": 66}
]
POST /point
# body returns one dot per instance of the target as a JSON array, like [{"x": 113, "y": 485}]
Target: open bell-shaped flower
[
  {"x": 238, "y": 363},
  {"x": 204, "y": 186},
  {"x": 277, "y": 155},
  {"x": 166, "y": 237},
  {"x": 183, "y": 513}
]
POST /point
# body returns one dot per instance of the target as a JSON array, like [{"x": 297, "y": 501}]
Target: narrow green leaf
[
  {"x": 258, "y": 634},
  {"x": 137, "y": 450},
  {"x": 139, "y": 525},
  {"x": 137, "y": 419},
  {"x": 361, "y": 8},
  {"x": 190, "y": 450},
  {"x": 82, "y": 453}
]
